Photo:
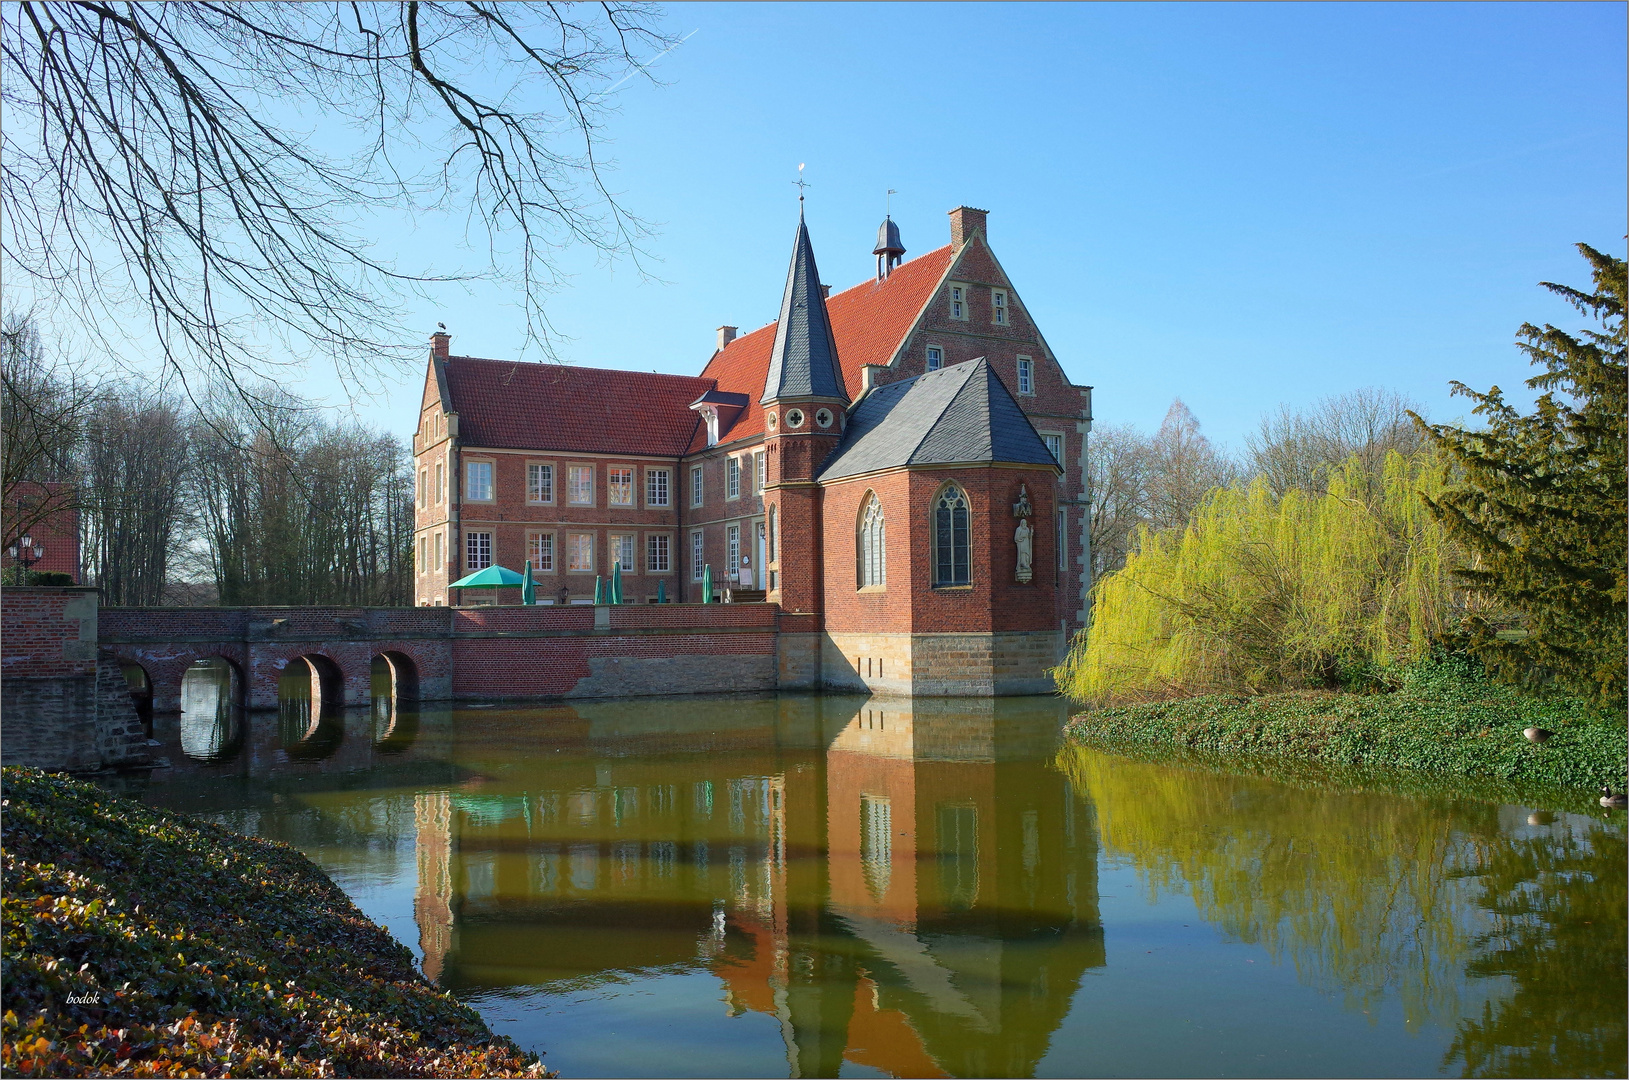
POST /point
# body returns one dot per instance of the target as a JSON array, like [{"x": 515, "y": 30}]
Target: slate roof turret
[{"x": 803, "y": 362}]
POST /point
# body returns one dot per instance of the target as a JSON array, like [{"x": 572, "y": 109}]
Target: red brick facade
[
  {"x": 46, "y": 512},
  {"x": 762, "y": 518}
]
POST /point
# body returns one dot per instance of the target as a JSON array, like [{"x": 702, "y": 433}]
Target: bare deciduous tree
[
  {"x": 1182, "y": 467},
  {"x": 217, "y": 168},
  {"x": 133, "y": 479},
  {"x": 1117, "y": 464},
  {"x": 43, "y": 406},
  {"x": 1296, "y": 448}
]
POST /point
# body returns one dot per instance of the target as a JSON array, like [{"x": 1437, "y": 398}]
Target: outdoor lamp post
[{"x": 26, "y": 552}]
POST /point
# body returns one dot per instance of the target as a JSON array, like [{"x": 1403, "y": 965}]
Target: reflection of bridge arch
[
  {"x": 395, "y": 686},
  {"x": 310, "y": 697},
  {"x": 211, "y": 726}
]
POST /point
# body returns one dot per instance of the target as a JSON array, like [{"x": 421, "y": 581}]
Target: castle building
[{"x": 899, "y": 466}]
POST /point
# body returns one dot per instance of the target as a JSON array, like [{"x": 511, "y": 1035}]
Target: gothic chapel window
[
  {"x": 873, "y": 557},
  {"x": 952, "y": 565}
]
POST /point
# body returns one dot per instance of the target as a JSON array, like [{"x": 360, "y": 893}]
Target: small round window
[
  {"x": 774, "y": 422},
  {"x": 794, "y": 418},
  {"x": 823, "y": 418}
]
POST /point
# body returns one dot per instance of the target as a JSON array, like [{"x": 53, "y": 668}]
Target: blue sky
[{"x": 1237, "y": 205}]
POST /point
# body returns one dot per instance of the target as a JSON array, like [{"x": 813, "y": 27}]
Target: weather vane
[
  {"x": 800, "y": 182},
  {"x": 889, "y": 203}
]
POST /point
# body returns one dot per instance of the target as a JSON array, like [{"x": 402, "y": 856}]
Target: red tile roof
[
  {"x": 549, "y": 406},
  {"x": 869, "y": 321}
]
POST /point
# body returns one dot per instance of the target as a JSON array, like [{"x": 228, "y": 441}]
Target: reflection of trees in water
[
  {"x": 211, "y": 722},
  {"x": 1559, "y": 935},
  {"x": 1372, "y": 894}
]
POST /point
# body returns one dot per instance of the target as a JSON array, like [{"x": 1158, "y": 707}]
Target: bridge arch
[
  {"x": 141, "y": 691},
  {"x": 395, "y": 688},
  {"x": 310, "y": 704},
  {"x": 212, "y": 694}
]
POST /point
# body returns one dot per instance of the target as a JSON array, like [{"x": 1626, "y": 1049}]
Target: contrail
[{"x": 652, "y": 60}]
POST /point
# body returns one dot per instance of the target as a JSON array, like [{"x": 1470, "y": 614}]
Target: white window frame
[
  {"x": 732, "y": 549},
  {"x": 573, "y": 475},
  {"x": 474, "y": 543},
  {"x": 540, "y": 549},
  {"x": 618, "y": 544},
  {"x": 658, "y": 487},
  {"x": 998, "y": 308},
  {"x": 698, "y": 553},
  {"x": 1026, "y": 375},
  {"x": 572, "y": 550},
  {"x": 958, "y": 301},
  {"x": 471, "y": 487},
  {"x": 440, "y": 551},
  {"x": 760, "y": 462},
  {"x": 697, "y": 492},
  {"x": 935, "y": 358},
  {"x": 535, "y": 470},
  {"x": 424, "y": 487},
  {"x": 658, "y": 553},
  {"x": 441, "y": 481},
  {"x": 732, "y": 477},
  {"x": 1063, "y": 443},
  {"x": 424, "y": 555},
  {"x": 625, "y": 475}
]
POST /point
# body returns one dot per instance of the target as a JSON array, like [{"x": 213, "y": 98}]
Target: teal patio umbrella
[
  {"x": 528, "y": 591},
  {"x": 616, "y": 583},
  {"x": 707, "y": 584},
  {"x": 661, "y": 590},
  {"x": 599, "y": 590},
  {"x": 493, "y": 577}
]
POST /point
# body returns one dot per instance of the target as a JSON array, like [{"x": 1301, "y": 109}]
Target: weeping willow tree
[{"x": 1264, "y": 593}]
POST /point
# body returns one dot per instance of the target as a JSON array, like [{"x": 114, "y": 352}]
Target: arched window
[
  {"x": 951, "y": 561},
  {"x": 872, "y": 550}
]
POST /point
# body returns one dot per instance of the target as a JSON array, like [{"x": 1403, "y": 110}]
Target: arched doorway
[
  {"x": 212, "y": 722},
  {"x": 310, "y": 698}
]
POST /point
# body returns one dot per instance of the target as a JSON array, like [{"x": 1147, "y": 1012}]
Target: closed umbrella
[
  {"x": 599, "y": 590},
  {"x": 661, "y": 590},
  {"x": 528, "y": 591},
  {"x": 616, "y": 583},
  {"x": 707, "y": 584}
]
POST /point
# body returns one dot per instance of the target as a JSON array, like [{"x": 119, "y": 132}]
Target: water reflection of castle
[{"x": 905, "y": 885}]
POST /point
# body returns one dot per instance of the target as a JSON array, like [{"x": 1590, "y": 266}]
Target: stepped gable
[
  {"x": 506, "y": 404},
  {"x": 961, "y": 414},
  {"x": 868, "y": 323}
]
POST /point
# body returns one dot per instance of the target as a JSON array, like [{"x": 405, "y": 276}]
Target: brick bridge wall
[
  {"x": 63, "y": 702},
  {"x": 464, "y": 653}
]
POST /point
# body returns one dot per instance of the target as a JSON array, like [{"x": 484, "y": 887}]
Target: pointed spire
[{"x": 804, "y": 360}]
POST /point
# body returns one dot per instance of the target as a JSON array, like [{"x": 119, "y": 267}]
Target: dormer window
[
  {"x": 711, "y": 417},
  {"x": 998, "y": 307}
]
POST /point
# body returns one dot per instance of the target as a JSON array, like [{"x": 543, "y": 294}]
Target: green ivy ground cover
[
  {"x": 139, "y": 942},
  {"x": 1443, "y": 721}
]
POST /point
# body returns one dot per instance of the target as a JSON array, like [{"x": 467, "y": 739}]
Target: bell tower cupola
[{"x": 889, "y": 250}]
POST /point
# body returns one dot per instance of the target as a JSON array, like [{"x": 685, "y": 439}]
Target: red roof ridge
[{"x": 565, "y": 365}]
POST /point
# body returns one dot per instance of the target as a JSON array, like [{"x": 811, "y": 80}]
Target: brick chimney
[
  {"x": 964, "y": 222},
  {"x": 726, "y": 334},
  {"x": 439, "y": 343}
]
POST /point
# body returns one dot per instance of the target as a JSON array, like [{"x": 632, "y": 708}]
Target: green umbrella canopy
[
  {"x": 707, "y": 584},
  {"x": 493, "y": 577},
  {"x": 528, "y": 591},
  {"x": 616, "y": 583},
  {"x": 599, "y": 591}
]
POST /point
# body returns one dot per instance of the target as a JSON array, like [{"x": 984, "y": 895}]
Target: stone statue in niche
[{"x": 1025, "y": 536}]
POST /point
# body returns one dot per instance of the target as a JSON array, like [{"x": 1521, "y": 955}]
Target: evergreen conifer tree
[{"x": 1542, "y": 503}]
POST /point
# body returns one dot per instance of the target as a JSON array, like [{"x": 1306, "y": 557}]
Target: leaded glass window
[
  {"x": 952, "y": 561},
  {"x": 873, "y": 551}
]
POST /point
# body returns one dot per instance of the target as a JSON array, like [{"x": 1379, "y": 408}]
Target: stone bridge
[
  {"x": 444, "y": 654},
  {"x": 335, "y": 646}
]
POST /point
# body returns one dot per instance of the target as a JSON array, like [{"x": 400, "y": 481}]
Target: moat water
[{"x": 806, "y": 885}]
